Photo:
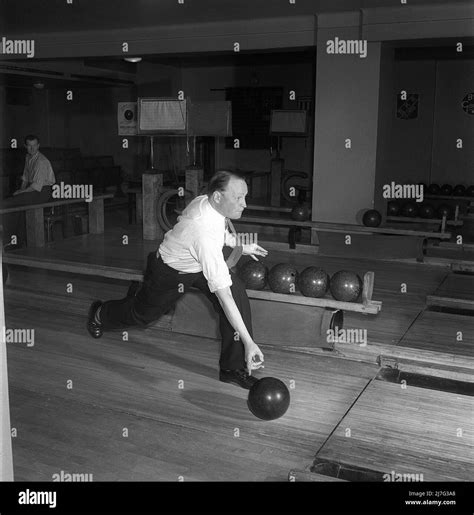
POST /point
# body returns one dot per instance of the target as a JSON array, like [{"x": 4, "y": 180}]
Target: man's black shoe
[
  {"x": 238, "y": 377},
  {"x": 95, "y": 329}
]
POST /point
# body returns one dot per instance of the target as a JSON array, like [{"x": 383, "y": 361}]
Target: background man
[{"x": 36, "y": 187}]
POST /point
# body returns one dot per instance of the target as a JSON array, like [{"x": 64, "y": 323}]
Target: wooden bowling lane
[
  {"x": 406, "y": 431},
  {"x": 399, "y": 309},
  {"x": 386, "y": 329},
  {"x": 454, "y": 294},
  {"x": 172, "y": 431},
  {"x": 443, "y": 332},
  {"x": 394, "y": 320},
  {"x": 459, "y": 286},
  {"x": 399, "y": 312},
  {"x": 100, "y": 249},
  {"x": 40, "y": 282},
  {"x": 109, "y": 250},
  {"x": 88, "y": 440},
  {"x": 389, "y": 275},
  {"x": 460, "y": 254},
  {"x": 29, "y": 286}
]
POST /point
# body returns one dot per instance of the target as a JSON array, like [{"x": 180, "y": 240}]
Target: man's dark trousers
[{"x": 159, "y": 293}]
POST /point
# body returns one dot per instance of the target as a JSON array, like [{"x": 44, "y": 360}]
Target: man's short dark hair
[
  {"x": 220, "y": 180},
  {"x": 31, "y": 137}
]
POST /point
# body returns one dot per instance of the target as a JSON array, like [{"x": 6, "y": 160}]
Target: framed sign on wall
[{"x": 161, "y": 116}]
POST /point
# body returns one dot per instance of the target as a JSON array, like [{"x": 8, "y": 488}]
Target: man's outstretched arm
[{"x": 226, "y": 300}]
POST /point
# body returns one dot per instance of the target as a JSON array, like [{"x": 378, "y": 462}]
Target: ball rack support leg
[
  {"x": 294, "y": 235},
  {"x": 332, "y": 320}
]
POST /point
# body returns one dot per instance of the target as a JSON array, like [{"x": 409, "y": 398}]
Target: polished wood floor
[
  {"x": 203, "y": 431},
  {"x": 115, "y": 409},
  {"x": 409, "y": 430},
  {"x": 401, "y": 287}
]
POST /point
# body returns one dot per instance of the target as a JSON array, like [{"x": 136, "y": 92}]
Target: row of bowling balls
[
  {"x": 424, "y": 210},
  {"x": 446, "y": 189},
  {"x": 344, "y": 285}
]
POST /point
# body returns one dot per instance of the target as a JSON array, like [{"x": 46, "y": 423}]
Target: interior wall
[
  {"x": 454, "y": 80},
  {"x": 405, "y": 146},
  {"x": 209, "y": 83},
  {"x": 424, "y": 149},
  {"x": 20, "y": 120},
  {"x": 347, "y": 89},
  {"x": 89, "y": 121},
  {"x": 385, "y": 115}
]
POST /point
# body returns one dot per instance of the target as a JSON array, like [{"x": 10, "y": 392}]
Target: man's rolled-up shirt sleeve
[
  {"x": 39, "y": 175},
  {"x": 214, "y": 267},
  {"x": 37, "y": 185}
]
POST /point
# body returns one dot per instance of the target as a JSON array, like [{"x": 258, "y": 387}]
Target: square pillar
[{"x": 152, "y": 186}]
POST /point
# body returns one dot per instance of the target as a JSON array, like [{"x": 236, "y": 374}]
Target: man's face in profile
[
  {"x": 233, "y": 199},
  {"x": 32, "y": 146}
]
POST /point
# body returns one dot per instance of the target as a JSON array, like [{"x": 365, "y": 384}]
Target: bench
[
  {"x": 35, "y": 216},
  {"x": 414, "y": 246},
  {"x": 378, "y": 242},
  {"x": 69, "y": 167}
]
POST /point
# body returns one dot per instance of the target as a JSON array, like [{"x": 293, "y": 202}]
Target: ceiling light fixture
[{"x": 132, "y": 59}]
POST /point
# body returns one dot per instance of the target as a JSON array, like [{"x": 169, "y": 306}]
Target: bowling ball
[
  {"x": 300, "y": 212},
  {"x": 345, "y": 286},
  {"x": 434, "y": 189},
  {"x": 313, "y": 282},
  {"x": 393, "y": 208},
  {"x": 446, "y": 189},
  {"x": 470, "y": 191},
  {"x": 410, "y": 209},
  {"x": 254, "y": 275},
  {"x": 282, "y": 278},
  {"x": 372, "y": 218},
  {"x": 459, "y": 190},
  {"x": 269, "y": 398},
  {"x": 426, "y": 211},
  {"x": 445, "y": 210}
]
